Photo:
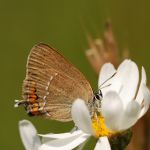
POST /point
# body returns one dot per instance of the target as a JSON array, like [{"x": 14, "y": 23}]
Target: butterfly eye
[{"x": 98, "y": 96}]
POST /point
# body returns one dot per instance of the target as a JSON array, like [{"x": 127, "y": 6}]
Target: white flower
[
  {"x": 124, "y": 102},
  {"x": 29, "y": 137}
]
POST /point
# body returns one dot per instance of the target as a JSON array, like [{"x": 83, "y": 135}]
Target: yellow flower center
[{"x": 98, "y": 124}]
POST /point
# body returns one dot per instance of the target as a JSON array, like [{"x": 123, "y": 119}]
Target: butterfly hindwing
[{"x": 54, "y": 82}]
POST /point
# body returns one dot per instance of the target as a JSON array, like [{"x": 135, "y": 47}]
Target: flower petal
[
  {"x": 81, "y": 116},
  {"x": 130, "y": 115},
  {"x": 65, "y": 144},
  {"x": 102, "y": 144},
  {"x": 146, "y": 94},
  {"x": 51, "y": 136},
  {"x": 112, "y": 109},
  {"x": 139, "y": 97},
  {"x": 28, "y": 135},
  {"x": 128, "y": 75},
  {"x": 106, "y": 72}
]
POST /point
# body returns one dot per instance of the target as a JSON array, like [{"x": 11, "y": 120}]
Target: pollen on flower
[{"x": 98, "y": 124}]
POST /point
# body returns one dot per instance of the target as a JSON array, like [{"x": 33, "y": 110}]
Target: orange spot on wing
[
  {"x": 35, "y": 111},
  {"x": 32, "y": 98}
]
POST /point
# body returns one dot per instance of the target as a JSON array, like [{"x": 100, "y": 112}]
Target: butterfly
[{"x": 52, "y": 84}]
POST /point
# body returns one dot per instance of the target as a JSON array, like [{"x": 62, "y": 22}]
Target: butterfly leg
[{"x": 96, "y": 117}]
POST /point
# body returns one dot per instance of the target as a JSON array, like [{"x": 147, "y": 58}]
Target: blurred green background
[{"x": 59, "y": 23}]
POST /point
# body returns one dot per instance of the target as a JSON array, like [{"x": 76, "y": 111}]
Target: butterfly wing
[{"x": 53, "y": 83}]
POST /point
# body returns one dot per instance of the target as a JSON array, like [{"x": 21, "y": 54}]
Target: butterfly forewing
[{"x": 53, "y": 83}]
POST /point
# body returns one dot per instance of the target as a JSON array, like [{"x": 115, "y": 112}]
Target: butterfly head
[
  {"x": 98, "y": 95},
  {"x": 97, "y": 99}
]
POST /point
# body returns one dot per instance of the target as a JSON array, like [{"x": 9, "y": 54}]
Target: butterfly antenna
[
  {"x": 100, "y": 87},
  {"x": 105, "y": 86}
]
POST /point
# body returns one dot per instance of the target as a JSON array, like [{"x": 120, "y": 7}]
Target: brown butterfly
[{"x": 52, "y": 84}]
